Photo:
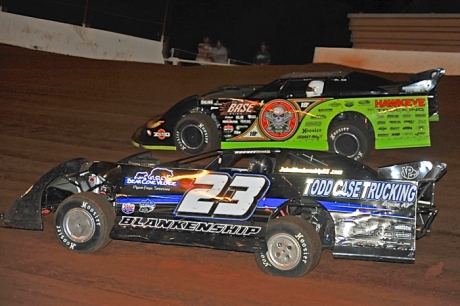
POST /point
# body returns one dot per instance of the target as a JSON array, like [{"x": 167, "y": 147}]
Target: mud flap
[{"x": 25, "y": 212}]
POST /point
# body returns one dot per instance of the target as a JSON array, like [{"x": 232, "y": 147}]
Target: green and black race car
[{"x": 344, "y": 112}]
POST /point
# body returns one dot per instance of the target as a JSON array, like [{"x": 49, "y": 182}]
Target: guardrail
[{"x": 179, "y": 56}]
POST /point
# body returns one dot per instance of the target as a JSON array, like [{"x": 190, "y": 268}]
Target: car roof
[
  {"x": 361, "y": 77},
  {"x": 315, "y": 74}
]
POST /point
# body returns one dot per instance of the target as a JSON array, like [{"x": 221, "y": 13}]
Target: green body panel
[
  {"x": 434, "y": 117},
  {"x": 397, "y": 121},
  {"x": 320, "y": 146},
  {"x": 150, "y": 147}
]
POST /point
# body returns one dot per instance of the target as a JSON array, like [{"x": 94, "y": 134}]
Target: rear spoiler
[
  {"x": 424, "y": 82},
  {"x": 432, "y": 74},
  {"x": 425, "y": 171},
  {"x": 426, "y": 174}
]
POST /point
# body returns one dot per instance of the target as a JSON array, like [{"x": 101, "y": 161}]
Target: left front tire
[{"x": 83, "y": 222}]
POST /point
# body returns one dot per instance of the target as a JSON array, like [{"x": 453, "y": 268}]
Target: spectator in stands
[
  {"x": 219, "y": 53},
  {"x": 204, "y": 51},
  {"x": 262, "y": 57}
]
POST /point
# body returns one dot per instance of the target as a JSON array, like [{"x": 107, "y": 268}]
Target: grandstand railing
[{"x": 179, "y": 57}]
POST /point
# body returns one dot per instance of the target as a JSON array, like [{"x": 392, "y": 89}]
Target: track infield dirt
[{"x": 55, "y": 108}]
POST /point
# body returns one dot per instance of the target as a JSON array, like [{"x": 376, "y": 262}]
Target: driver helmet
[{"x": 260, "y": 164}]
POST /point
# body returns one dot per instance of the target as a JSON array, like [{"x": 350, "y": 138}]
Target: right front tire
[
  {"x": 196, "y": 133},
  {"x": 83, "y": 222},
  {"x": 349, "y": 138},
  {"x": 293, "y": 248}
]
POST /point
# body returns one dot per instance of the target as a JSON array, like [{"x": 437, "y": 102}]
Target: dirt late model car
[
  {"x": 283, "y": 205},
  {"x": 343, "y": 112}
]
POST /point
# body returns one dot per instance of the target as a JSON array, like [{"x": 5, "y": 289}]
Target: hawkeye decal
[
  {"x": 380, "y": 103},
  {"x": 363, "y": 190},
  {"x": 183, "y": 225}
]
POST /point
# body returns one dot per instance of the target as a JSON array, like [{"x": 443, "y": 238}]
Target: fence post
[{"x": 84, "y": 16}]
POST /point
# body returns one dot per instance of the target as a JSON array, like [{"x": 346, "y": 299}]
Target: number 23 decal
[{"x": 220, "y": 196}]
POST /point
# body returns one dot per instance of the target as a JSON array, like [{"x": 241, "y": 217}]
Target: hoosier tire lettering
[
  {"x": 196, "y": 133},
  {"x": 83, "y": 222},
  {"x": 293, "y": 248},
  {"x": 349, "y": 138}
]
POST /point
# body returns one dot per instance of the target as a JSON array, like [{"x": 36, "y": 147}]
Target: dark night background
[{"x": 291, "y": 28}]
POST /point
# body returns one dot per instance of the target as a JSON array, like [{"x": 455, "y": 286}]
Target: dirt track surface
[{"x": 55, "y": 108}]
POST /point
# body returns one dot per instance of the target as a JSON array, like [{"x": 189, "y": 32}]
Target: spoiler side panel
[
  {"x": 414, "y": 171},
  {"x": 432, "y": 74}
]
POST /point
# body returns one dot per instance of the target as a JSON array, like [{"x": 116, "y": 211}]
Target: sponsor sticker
[
  {"x": 161, "y": 134},
  {"x": 128, "y": 208},
  {"x": 279, "y": 119},
  {"x": 156, "y": 177},
  {"x": 238, "y": 108}
]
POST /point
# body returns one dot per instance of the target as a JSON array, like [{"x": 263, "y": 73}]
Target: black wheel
[
  {"x": 294, "y": 248},
  {"x": 349, "y": 138},
  {"x": 83, "y": 222},
  {"x": 196, "y": 133}
]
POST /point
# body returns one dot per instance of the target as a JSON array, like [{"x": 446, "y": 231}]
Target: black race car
[
  {"x": 346, "y": 112},
  {"x": 283, "y": 205}
]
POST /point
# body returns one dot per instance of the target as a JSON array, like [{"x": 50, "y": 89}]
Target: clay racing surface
[{"x": 55, "y": 108}]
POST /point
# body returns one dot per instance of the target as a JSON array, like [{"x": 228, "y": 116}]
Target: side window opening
[
  {"x": 345, "y": 87},
  {"x": 295, "y": 89},
  {"x": 269, "y": 92},
  {"x": 302, "y": 160},
  {"x": 253, "y": 163}
]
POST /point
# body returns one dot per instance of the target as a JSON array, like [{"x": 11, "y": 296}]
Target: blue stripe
[
  {"x": 163, "y": 199},
  {"x": 271, "y": 203},
  {"x": 360, "y": 208},
  {"x": 347, "y": 207}
]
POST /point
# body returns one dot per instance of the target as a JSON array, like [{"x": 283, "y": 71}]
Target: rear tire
[
  {"x": 83, "y": 222},
  {"x": 294, "y": 248},
  {"x": 196, "y": 133},
  {"x": 349, "y": 138}
]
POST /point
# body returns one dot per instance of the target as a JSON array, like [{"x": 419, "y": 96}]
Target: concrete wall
[
  {"x": 73, "y": 40},
  {"x": 406, "y": 43},
  {"x": 390, "y": 60},
  {"x": 416, "y": 32}
]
